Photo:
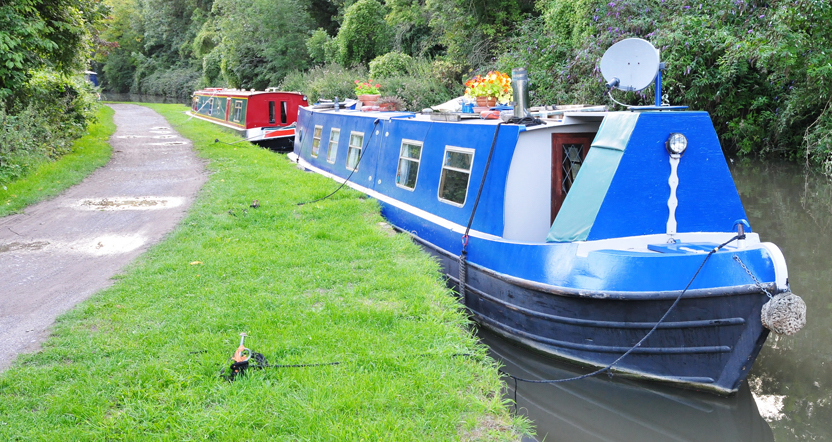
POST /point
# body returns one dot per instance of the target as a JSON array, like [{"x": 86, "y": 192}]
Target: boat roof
[
  {"x": 562, "y": 118},
  {"x": 219, "y": 91}
]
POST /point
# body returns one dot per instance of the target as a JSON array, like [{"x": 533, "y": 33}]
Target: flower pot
[
  {"x": 486, "y": 101},
  {"x": 369, "y": 100}
]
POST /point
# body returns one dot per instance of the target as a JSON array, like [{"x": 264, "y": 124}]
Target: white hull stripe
[{"x": 395, "y": 203}]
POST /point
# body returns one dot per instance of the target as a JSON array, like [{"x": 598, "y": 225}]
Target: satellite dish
[{"x": 630, "y": 64}]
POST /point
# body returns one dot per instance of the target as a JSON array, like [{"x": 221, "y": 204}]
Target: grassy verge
[
  {"x": 318, "y": 283},
  {"x": 51, "y": 178}
]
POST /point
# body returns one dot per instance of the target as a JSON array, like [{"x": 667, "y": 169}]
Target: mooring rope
[{"x": 363, "y": 152}]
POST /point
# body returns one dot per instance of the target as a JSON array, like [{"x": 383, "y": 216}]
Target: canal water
[{"x": 788, "y": 394}]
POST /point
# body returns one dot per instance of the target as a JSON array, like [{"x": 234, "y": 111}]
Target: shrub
[
  {"x": 390, "y": 65},
  {"x": 364, "y": 33},
  {"x": 174, "y": 82},
  {"x": 49, "y": 112},
  {"x": 328, "y": 81}
]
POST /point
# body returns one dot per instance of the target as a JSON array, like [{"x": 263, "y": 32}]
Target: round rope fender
[{"x": 784, "y": 314}]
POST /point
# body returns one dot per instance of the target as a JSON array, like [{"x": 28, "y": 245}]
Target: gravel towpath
[{"x": 59, "y": 252}]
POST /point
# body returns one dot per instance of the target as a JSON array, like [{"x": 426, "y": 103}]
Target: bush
[
  {"x": 328, "y": 81},
  {"x": 48, "y": 113},
  {"x": 364, "y": 34},
  {"x": 179, "y": 83},
  {"x": 390, "y": 64}
]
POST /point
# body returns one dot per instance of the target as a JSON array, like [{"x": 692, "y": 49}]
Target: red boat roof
[{"x": 218, "y": 91}]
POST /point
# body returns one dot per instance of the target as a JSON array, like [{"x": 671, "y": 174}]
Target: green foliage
[
  {"x": 327, "y": 81},
  {"x": 50, "y": 111},
  {"x": 50, "y": 178},
  {"x": 38, "y": 34},
  {"x": 364, "y": 34},
  {"x": 470, "y": 29},
  {"x": 262, "y": 40},
  {"x": 173, "y": 82},
  {"x": 390, "y": 65},
  {"x": 322, "y": 48}
]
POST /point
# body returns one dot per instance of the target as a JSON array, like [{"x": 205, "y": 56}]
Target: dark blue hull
[{"x": 706, "y": 343}]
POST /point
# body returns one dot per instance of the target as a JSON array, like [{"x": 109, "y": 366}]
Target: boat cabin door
[{"x": 568, "y": 153}]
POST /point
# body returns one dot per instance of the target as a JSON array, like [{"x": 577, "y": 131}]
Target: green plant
[
  {"x": 390, "y": 64},
  {"x": 327, "y": 81},
  {"x": 366, "y": 88},
  {"x": 364, "y": 34}
]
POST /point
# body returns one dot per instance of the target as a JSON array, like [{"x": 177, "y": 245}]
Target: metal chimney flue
[{"x": 520, "y": 89}]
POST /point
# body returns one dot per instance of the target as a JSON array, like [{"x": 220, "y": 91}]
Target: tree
[
  {"x": 37, "y": 34},
  {"x": 364, "y": 34}
]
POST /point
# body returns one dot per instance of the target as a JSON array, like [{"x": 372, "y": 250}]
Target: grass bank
[
  {"x": 51, "y": 178},
  {"x": 324, "y": 282}
]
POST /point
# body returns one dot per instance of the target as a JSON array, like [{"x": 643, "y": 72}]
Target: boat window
[
  {"x": 354, "y": 152},
  {"x": 271, "y": 112},
  {"x": 456, "y": 172},
  {"x": 333, "y": 145},
  {"x": 568, "y": 154},
  {"x": 409, "y": 157},
  {"x": 210, "y": 106},
  {"x": 238, "y": 110},
  {"x": 282, "y": 112},
  {"x": 316, "y": 140}
]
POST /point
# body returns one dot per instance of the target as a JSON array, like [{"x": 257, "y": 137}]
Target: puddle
[
  {"x": 122, "y": 203},
  {"x": 159, "y": 131},
  {"x": 132, "y": 136},
  {"x": 164, "y": 136},
  {"x": 109, "y": 244},
  {"x": 170, "y": 143},
  {"x": 26, "y": 246},
  {"x": 160, "y": 128}
]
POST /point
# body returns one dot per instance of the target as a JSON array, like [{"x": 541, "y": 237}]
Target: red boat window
[
  {"x": 271, "y": 112},
  {"x": 282, "y": 112}
]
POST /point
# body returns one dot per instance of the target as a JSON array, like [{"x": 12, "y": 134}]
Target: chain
[{"x": 756, "y": 281}]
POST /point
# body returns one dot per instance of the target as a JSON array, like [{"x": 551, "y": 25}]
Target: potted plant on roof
[
  {"x": 494, "y": 88},
  {"x": 367, "y": 92}
]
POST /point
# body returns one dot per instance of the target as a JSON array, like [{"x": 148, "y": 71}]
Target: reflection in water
[
  {"x": 793, "y": 209},
  {"x": 602, "y": 409},
  {"x": 790, "y": 384}
]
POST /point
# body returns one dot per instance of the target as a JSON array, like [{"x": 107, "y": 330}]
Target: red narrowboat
[{"x": 261, "y": 116}]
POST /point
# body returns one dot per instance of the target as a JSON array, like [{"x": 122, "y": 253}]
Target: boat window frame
[
  {"x": 318, "y": 130},
  {"x": 418, "y": 162},
  {"x": 462, "y": 150},
  {"x": 283, "y": 111},
  {"x": 360, "y": 148},
  {"x": 271, "y": 112},
  {"x": 238, "y": 110},
  {"x": 329, "y": 149},
  {"x": 211, "y": 106}
]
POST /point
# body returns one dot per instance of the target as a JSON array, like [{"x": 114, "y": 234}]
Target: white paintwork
[
  {"x": 442, "y": 222},
  {"x": 640, "y": 243},
  {"x": 672, "y": 202},
  {"x": 528, "y": 197},
  {"x": 529, "y": 189},
  {"x": 781, "y": 272}
]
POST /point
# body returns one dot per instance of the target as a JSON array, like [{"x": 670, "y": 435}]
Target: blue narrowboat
[{"x": 577, "y": 237}]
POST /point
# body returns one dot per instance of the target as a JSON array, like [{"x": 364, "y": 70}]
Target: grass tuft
[{"x": 324, "y": 282}]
